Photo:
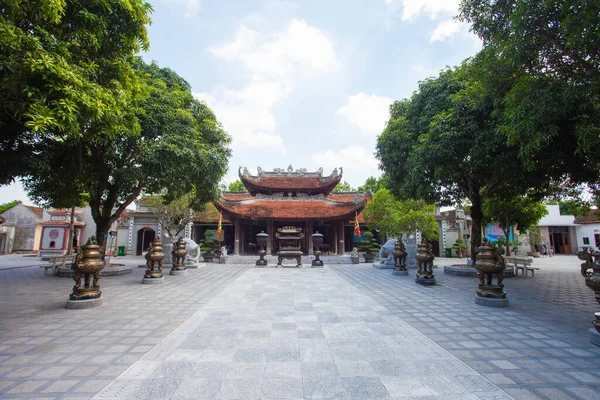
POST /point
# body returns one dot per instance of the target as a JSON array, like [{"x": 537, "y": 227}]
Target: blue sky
[{"x": 306, "y": 83}]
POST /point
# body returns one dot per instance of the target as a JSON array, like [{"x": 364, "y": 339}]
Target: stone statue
[
  {"x": 192, "y": 250},
  {"x": 223, "y": 256},
  {"x": 386, "y": 259},
  {"x": 354, "y": 252}
]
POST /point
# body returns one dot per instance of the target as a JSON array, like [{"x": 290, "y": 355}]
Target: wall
[
  {"x": 25, "y": 223},
  {"x": 588, "y": 231},
  {"x": 8, "y": 236}
]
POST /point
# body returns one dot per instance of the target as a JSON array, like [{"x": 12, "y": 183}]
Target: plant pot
[
  {"x": 369, "y": 257},
  {"x": 208, "y": 256}
]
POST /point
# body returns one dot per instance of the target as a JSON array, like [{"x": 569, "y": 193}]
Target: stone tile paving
[
  {"x": 293, "y": 334},
  {"x": 49, "y": 352},
  {"x": 538, "y": 348}
]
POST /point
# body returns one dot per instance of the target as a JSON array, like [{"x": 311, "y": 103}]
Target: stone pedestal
[
  {"x": 153, "y": 281},
  {"x": 380, "y": 265},
  {"x": 189, "y": 264},
  {"x": 491, "y": 302},
  {"x": 84, "y": 304},
  {"x": 400, "y": 272},
  {"x": 178, "y": 271},
  {"x": 594, "y": 336},
  {"x": 425, "y": 281},
  {"x": 355, "y": 260}
]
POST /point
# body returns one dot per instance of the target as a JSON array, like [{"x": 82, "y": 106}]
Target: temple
[{"x": 286, "y": 197}]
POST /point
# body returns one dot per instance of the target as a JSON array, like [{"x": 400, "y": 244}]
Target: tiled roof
[
  {"x": 57, "y": 223},
  {"x": 210, "y": 216},
  {"x": 290, "y": 209},
  {"x": 290, "y": 183},
  {"x": 38, "y": 211},
  {"x": 592, "y": 217}
]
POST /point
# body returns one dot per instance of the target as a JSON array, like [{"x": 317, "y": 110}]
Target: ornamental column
[
  {"x": 309, "y": 232},
  {"x": 341, "y": 241},
  {"x": 271, "y": 234},
  {"x": 237, "y": 236}
]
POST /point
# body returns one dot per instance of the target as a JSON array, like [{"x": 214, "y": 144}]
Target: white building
[
  {"x": 559, "y": 231},
  {"x": 588, "y": 230}
]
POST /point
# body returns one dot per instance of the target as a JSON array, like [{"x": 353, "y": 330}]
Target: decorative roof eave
[
  {"x": 290, "y": 180},
  {"x": 290, "y": 210}
]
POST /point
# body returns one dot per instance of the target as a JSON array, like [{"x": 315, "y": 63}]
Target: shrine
[{"x": 285, "y": 198}]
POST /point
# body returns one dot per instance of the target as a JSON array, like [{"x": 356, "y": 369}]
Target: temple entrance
[
  {"x": 328, "y": 236},
  {"x": 144, "y": 237},
  {"x": 250, "y": 246}
]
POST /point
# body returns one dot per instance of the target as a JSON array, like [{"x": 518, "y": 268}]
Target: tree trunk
[
  {"x": 102, "y": 227},
  {"x": 71, "y": 231},
  {"x": 476, "y": 216},
  {"x": 507, "y": 236}
]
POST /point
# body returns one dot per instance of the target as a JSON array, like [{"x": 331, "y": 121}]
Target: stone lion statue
[{"x": 192, "y": 250}]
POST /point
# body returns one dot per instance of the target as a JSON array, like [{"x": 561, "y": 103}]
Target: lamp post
[
  {"x": 317, "y": 239},
  {"x": 261, "y": 240}
]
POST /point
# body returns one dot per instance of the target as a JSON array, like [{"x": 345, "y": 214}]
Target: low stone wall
[{"x": 462, "y": 270}]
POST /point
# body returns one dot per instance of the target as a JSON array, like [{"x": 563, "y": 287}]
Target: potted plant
[
  {"x": 208, "y": 246},
  {"x": 369, "y": 247},
  {"x": 535, "y": 241},
  {"x": 460, "y": 246}
]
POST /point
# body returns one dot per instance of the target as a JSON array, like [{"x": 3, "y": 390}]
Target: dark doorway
[
  {"x": 250, "y": 232},
  {"x": 559, "y": 239},
  {"x": 144, "y": 237}
]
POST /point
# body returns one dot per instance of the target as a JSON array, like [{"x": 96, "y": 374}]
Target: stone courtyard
[{"x": 233, "y": 331}]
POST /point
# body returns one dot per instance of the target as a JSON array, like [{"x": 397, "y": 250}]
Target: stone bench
[
  {"x": 521, "y": 264},
  {"x": 57, "y": 262}
]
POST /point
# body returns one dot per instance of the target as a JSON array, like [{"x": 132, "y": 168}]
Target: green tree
[
  {"x": 395, "y": 218},
  {"x": 445, "y": 144},
  {"x": 374, "y": 184},
  {"x": 65, "y": 64},
  {"x": 7, "y": 206},
  {"x": 173, "y": 216},
  {"x": 522, "y": 212},
  {"x": 343, "y": 187},
  {"x": 236, "y": 186},
  {"x": 554, "y": 102},
  {"x": 180, "y": 148}
]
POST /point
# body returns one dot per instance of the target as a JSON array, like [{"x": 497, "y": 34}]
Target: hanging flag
[
  {"x": 219, "y": 227},
  {"x": 356, "y": 226}
]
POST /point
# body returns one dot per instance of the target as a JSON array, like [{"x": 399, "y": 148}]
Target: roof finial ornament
[
  {"x": 290, "y": 169},
  {"x": 259, "y": 171},
  {"x": 341, "y": 170}
]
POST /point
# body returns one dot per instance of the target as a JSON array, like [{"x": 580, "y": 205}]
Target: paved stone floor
[{"x": 346, "y": 331}]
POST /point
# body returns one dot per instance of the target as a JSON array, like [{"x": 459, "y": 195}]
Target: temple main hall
[{"x": 286, "y": 197}]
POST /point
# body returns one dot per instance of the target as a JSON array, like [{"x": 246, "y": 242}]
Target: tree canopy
[
  {"x": 554, "y": 101},
  {"x": 7, "y": 206},
  {"x": 174, "y": 216},
  {"x": 236, "y": 186},
  {"x": 395, "y": 218},
  {"x": 374, "y": 184},
  {"x": 179, "y": 148},
  {"x": 445, "y": 143},
  {"x": 520, "y": 211},
  {"x": 65, "y": 64},
  {"x": 343, "y": 187}
]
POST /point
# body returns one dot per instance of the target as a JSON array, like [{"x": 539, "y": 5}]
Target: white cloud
[
  {"x": 352, "y": 158},
  {"x": 367, "y": 111},
  {"x": 192, "y": 7},
  {"x": 412, "y": 8},
  {"x": 446, "y": 29},
  {"x": 275, "y": 63}
]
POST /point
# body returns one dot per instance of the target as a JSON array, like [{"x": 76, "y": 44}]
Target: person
[
  {"x": 544, "y": 249},
  {"x": 537, "y": 250}
]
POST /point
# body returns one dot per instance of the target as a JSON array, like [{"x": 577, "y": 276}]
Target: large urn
[
  {"x": 425, "y": 259},
  {"x": 489, "y": 263},
  {"x": 154, "y": 260},
  {"x": 179, "y": 252},
  {"x": 590, "y": 270},
  {"x": 89, "y": 264},
  {"x": 399, "y": 256},
  {"x": 317, "y": 239},
  {"x": 262, "y": 239}
]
